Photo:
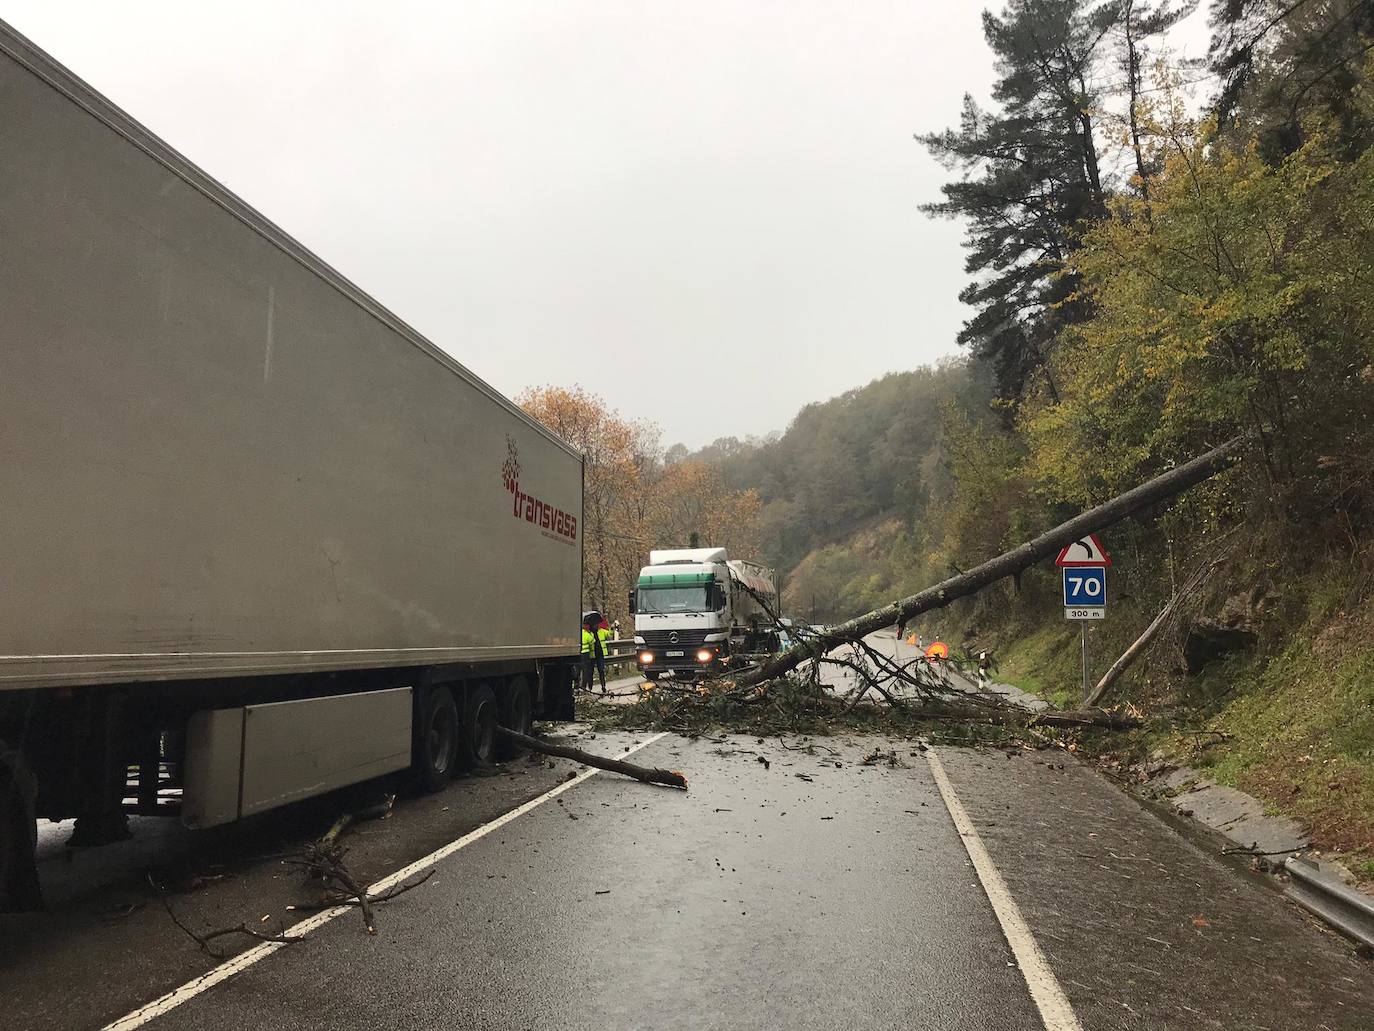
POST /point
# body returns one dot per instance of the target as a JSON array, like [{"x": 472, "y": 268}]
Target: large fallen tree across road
[{"x": 1165, "y": 485}]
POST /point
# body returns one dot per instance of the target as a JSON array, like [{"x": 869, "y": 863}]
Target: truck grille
[{"x": 685, "y": 638}]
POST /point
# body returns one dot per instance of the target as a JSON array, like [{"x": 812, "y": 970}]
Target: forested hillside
[
  {"x": 845, "y": 485},
  {"x": 1161, "y": 257}
]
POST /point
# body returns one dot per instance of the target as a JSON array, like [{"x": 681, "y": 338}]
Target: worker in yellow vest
[
  {"x": 588, "y": 646},
  {"x": 594, "y": 641}
]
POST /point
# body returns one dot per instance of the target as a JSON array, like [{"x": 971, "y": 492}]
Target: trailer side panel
[{"x": 218, "y": 457}]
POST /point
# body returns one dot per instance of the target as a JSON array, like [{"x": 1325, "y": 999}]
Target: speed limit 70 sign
[
  {"x": 1084, "y": 587},
  {"x": 1084, "y": 565}
]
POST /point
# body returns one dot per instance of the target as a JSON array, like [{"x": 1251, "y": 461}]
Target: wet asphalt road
[
  {"x": 107, "y": 946},
  {"x": 758, "y": 899},
  {"x": 789, "y": 888}
]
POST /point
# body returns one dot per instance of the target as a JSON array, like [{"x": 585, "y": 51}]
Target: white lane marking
[
  {"x": 246, "y": 959},
  {"x": 1048, "y": 996}
]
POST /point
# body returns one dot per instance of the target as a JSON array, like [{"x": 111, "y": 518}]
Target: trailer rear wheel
[
  {"x": 437, "y": 733},
  {"x": 517, "y": 714},
  {"x": 477, "y": 740},
  {"x": 19, "y": 888}
]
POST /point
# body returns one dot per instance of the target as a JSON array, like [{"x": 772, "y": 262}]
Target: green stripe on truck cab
[{"x": 674, "y": 579}]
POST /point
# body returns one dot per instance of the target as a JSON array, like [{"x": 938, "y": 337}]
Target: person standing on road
[
  {"x": 603, "y": 639},
  {"x": 595, "y": 637},
  {"x": 588, "y": 650}
]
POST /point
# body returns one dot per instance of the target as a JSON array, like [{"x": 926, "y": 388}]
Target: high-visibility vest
[{"x": 587, "y": 640}]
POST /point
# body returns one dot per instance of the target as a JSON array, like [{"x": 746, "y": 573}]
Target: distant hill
[{"x": 868, "y": 462}]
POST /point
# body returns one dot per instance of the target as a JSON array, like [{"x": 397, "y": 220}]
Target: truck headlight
[
  {"x": 646, "y": 658},
  {"x": 705, "y": 655}
]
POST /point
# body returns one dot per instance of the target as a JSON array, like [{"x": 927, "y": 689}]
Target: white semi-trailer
[
  {"x": 261, "y": 539},
  {"x": 695, "y": 607}
]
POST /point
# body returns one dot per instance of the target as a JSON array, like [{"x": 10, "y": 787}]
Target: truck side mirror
[{"x": 631, "y": 605}]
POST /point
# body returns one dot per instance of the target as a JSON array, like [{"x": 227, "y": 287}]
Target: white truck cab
[{"x": 695, "y": 607}]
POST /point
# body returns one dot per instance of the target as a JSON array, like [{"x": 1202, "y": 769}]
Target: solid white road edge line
[
  {"x": 246, "y": 959},
  {"x": 1048, "y": 996}
]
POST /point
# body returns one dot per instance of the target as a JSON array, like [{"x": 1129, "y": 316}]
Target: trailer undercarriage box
[{"x": 250, "y": 759}]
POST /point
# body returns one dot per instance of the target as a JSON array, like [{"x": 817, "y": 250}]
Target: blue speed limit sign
[{"x": 1084, "y": 586}]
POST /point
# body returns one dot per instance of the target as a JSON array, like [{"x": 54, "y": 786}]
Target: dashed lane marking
[
  {"x": 1045, "y": 991},
  {"x": 244, "y": 960}
]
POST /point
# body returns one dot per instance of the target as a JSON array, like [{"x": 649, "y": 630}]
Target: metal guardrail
[
  {"x": 1349, "y": 911},
  {"x": 621, "y": 650}
]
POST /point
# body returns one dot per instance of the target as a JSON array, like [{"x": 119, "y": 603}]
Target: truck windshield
[{"x": 663, "y": 600}]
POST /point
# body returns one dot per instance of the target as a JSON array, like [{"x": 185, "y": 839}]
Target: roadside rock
[
  {"x": 1234, "y": 627},
  {"x": 1208, "y": 639}
]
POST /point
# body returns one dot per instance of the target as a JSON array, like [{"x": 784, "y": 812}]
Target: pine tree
[{"x": 1030, "y": 179}]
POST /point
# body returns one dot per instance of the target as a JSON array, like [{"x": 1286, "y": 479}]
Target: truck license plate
[{"x": 673, "y": 655}]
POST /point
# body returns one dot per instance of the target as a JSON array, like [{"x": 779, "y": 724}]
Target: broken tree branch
[
  {"x": 642, "y": 773},
  {"x": 323, "y": 860},
  {"x": 1165, "y": 485},
  {"x": 372, "y": 812},
  {"x": 1252, "y": 850},
  {"x": 1132, "y": 653},
  {"x": 1010, "y": 715},
  {"x": 204, "y": 939},
  {"x": 330, "y": 901}
]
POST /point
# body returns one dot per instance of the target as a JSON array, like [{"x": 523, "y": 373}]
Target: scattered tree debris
[
  {"x": 204, "y": 938},
  {"x": 323, "y": 861},
  {"x": 672, "y": 778},
  {"x": 879, "y": 756},
  {"x": 1252, "y": 849}
]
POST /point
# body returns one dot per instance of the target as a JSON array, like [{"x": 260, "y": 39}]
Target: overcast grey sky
[{"x": 704, "y": 211}]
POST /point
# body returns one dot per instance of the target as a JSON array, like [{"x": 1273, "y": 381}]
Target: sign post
[
  {"x": 1084, "y": 567},
  {"x": 1083, "y": 628}
]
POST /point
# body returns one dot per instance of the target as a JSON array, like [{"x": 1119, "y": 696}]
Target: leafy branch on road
[{"x": 797, "y": 705}]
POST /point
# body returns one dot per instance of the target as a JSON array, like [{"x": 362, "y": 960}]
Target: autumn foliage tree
[{"x": 634, "y": 501}]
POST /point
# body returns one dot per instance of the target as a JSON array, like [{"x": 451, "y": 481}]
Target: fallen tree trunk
[
  {"x": 643, "y": 773},
  {"x": 1165, "y": 485}
]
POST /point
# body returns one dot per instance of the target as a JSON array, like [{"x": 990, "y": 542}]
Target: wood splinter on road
[{"x": 672, "y": 778}]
